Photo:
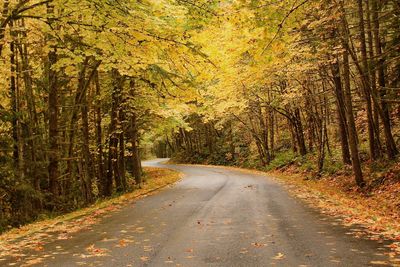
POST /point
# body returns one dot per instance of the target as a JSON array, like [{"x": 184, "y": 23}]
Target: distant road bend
[{"x": 217, "y": 217}]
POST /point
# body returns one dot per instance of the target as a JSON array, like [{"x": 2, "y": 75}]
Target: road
[{"x": 216, "y": 217}]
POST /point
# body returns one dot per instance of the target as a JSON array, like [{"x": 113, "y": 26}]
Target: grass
[{"x": 282, "y": 160}]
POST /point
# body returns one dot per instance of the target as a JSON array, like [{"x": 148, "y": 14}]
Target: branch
[
  {"x": 197, "y": 6},
  {"x": 280, "y": 25}
]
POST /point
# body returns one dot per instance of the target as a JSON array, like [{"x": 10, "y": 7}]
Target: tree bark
[
  {"x": 99, "y": 139},
  {"x": 365, "y": 81},
  {"x": 136, "y": 163},
  {"x": 121, "y": 158},
  {"x": 355, "y": 158},
  {"x": 113, "y": 173},
  {"x": 88, "y": 161},
  {"x": 391, "y": 148},
  {"x": 298, "y": 127},
  {"x": 53, "y": 113},
  {"x": 372, "y": 78},
  {"x": 3, "y": 23},
  {"x": 341, "y": 113}
]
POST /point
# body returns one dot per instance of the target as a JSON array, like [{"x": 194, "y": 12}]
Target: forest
[{"x": 89, "y": 88}]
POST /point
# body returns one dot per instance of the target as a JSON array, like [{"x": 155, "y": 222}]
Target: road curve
[{"x": 217, "y": 217}]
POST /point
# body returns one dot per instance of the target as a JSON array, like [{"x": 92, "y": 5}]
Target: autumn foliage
[{"x": 90, "y": 87}]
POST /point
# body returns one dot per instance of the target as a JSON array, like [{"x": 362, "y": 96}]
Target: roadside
[
  {"x": 33, "y": 236},
  {"x": 376, "y": 209}
]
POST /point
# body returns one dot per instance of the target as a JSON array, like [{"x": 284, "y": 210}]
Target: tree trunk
[
  {"x": 121, "y": 157},
  {"x": 113, "y": 173},
  {"x": 101, "y": 182},
  {"x": 298, "y": 127},
  {"x": 372, "y": 79},
  {"x": 53, "y": 114},
  {"x": 136, "y": 163},
  {"x": 365, "y": 82},
  {"x": 137, "y": 169},
  {"x": 14, "y": 102},
  {"x": 88, "y": 161},
  {"x": 33, "y": 130},
  {"x": 3, "y": 23},
  {"x": 355, "y": 158},
  {"x": 341, "y": 113},
  {"x": 391, "y": 148}
]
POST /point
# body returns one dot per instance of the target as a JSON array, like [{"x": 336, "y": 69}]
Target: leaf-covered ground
[
  {"x": 376, "y": 209},
  {"x": 17, "y": 242}
]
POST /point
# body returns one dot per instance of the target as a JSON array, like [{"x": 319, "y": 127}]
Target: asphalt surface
[{"x": 216, "y": 217}]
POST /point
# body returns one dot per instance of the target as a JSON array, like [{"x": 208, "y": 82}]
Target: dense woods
[
  {"x": 313, "y": 83},
  {"x": 81, "y": 82},
  {"x": 89, "y": 87}
]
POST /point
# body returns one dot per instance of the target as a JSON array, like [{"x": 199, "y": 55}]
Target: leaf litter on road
[{"x": 279, "y": 256}]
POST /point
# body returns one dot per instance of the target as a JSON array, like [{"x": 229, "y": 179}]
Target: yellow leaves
[
  {"x": 243, "y": 251},
  {"x": 147, "y": 248},
  {"x": 32, "y": 262},
  {"x": 279, "y": 256},
  {"x": 144, "y": 258},
  {"x": 379, "y": 263},
  {"x": 169, "y": 260},
  {"x": 123, "y": 243}
]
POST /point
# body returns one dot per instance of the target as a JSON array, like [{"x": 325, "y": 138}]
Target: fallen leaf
[
  {"x": 279, "y": 256},
  {"x": 378, "y": 262},
  {"x": 39, "y": 248},
  {"x": 258, "y": 245},
  {"x": 122, "y": 243},
  {"x": 32, "y": 262}
]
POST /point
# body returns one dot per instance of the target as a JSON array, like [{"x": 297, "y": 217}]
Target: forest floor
[{"x": 35, "y": 235}]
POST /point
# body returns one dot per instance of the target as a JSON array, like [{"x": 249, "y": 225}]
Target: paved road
[{"x": 217, "y": 217}]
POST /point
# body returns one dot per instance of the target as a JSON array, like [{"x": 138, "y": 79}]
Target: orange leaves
[
  {"x": 32, "y": 262},
  {"x": 98, "y": 252},
  {"x": 38, "y": 247},
  {"x": 377, "y": 211},
  {"x": 228, "y": 221},
  {"x": 35, "y": 236},
  {"x": 258, "y": 245},
  {"x": 122, "y": 243}
]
